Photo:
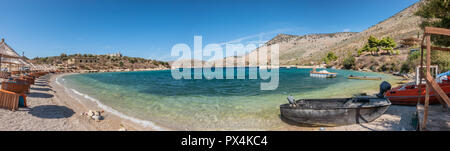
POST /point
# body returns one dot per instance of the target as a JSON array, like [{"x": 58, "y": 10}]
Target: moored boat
[
  {"x": 363, "y": 77},
  {"x": 322, "y": 74},
  {"x": 408, "y": 94},
  {"x": 336, "y": 112}
]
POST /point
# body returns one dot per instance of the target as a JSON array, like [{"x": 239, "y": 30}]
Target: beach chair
[
  {"x": 14, "y": 86},
  {"x": 29, "y": 79},
  {"x": 10, "y": 100},
  {"x": 25, "y": 85},
  {"x": 17, "y": 88}
]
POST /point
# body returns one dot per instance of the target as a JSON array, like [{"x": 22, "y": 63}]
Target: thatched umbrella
[{"x": 6, "y": 52}]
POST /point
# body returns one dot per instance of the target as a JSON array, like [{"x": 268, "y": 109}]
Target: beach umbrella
[{"x": 7, "y": 54}]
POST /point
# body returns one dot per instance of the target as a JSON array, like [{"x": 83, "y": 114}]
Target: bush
[
  {"x": 330, "y": 57},
  {"x": 442, "y": 59},
  {"x": 389, "y": 67},
  {"x": 360, "y": 51},
  {"x": 349, "y": 62},
  {"x": 406, "y": 67}
]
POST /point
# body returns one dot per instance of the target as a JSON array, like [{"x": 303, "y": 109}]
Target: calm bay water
[{"x": 237, "y": 104}]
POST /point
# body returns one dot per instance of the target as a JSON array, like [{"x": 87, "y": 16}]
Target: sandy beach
[{"x": 52, "y": 108}]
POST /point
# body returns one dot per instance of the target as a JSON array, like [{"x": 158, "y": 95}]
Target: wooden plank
[
  {"x": 437, "y": 31},
  {"x": 439, "y": 92},
  {"x": 436, "y": 48}
]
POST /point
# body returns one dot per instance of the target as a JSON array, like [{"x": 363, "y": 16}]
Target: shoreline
[{"x": 113, "y": 118}]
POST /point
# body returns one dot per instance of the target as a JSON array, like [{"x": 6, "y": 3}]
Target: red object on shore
[{"x": 408, "y": 94}]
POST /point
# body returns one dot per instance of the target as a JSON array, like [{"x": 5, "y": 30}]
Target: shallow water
[{"x": 212, "y": 104}]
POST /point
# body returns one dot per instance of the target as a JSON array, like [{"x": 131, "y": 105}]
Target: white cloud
[
  {"x": 346, "y": 30},
  {"x": 259, "y": 38}
]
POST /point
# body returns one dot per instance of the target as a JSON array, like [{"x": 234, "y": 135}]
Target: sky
[{"x": 150, "y": 28}]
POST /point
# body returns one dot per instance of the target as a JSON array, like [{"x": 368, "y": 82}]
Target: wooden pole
[
  {"x": 427, "y": 92},
  {"x": 420, "y": 76}
]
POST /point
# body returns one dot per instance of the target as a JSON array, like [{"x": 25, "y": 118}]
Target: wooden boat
[
  {"x": 363, "y": 77},
  {"x": 408, "y": 94},
  {"x": 322, "y": 74},
  {"x": 335, "y": 112}
]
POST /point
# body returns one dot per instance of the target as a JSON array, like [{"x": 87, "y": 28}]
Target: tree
[
  {"x": 437, "y": 14},
  {"x": 375, "y": 45},
  {"x": 387, "y": 43},
  {"x": 63, "y": 55},
  {"x": 372, "y": 45},
  {"x": 132, "y": 61}
]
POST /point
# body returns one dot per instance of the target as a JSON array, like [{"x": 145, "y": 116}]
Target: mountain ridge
[{"x": 311, "y": 48}]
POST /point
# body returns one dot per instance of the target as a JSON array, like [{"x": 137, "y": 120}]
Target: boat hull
[
  {"x": 364, "y": 78},
  {"x": 408, "y": 95},
  {"x": 335, "y": 116},
  {"x": 322, "y": 75}
]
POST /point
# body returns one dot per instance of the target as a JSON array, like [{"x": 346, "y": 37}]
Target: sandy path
[{"x": 396, "y": 118}]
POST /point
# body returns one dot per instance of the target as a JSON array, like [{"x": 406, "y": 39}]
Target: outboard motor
[
  {"x": 384, "y": 87},
  {"x": 291, "y": 101}
]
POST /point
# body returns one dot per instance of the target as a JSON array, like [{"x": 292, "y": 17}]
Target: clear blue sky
[{"x": 149, "y": 29}]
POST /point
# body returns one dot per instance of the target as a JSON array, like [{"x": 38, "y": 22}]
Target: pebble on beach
[{"x": 95, "y": 115}]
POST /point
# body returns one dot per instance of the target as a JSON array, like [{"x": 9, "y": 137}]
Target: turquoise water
[{"x": 212, "y": 104}]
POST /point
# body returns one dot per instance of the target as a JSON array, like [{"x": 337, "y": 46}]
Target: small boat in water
[
  {"x": 336, "y": 112},
  {"x": 364, "y": 77},
  {"x": 322, "y": 74}
]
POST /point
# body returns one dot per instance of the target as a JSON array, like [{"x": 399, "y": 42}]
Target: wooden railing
[{"x": 430, "y": 82}]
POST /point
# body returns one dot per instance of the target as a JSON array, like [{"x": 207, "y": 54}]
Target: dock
[
  {"x": 310, "y": 67},
  {"x": 438, "y": 118}
]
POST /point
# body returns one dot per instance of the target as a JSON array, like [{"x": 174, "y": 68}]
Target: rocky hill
[
  {"x": 105, "y": 62},
  {"x": 310, "y": 49},
  {"x": 402, "y": 25}
]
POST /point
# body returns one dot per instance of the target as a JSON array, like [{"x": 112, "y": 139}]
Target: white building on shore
[{"x": 118, "y": 54}]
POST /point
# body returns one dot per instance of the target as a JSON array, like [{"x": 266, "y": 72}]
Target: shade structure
[
  {"x": 6, "y": 51},
  {"x": 9, "y": 56}
]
